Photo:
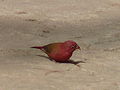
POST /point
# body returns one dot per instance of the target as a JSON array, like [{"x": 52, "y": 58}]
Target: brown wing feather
[{"x": 51, "y": 47}]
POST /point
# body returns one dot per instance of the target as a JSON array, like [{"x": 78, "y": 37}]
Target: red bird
[{"x": 59, "y": 52}]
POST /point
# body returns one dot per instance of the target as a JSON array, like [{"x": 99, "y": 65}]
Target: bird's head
[{"x": 71, "y": 45}]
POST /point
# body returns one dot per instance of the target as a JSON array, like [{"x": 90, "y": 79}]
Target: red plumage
[{"x": 59, "y": 52}]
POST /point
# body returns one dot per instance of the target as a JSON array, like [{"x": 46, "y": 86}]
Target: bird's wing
[{"x": 51, "y": 47}]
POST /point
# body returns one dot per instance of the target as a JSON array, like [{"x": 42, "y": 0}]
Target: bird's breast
[{"x": 60, "y": 57}]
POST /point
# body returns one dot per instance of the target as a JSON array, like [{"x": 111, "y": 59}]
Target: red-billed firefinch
[{"x": 59, "y": 52}]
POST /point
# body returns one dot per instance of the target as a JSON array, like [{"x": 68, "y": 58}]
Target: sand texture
[{"x": 93, "y": 24}]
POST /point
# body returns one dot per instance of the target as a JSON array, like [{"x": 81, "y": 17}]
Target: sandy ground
[{"x": 93, "y": 24}]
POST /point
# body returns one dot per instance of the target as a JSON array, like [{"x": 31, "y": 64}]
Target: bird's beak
[{"x": 78, "y": 48}]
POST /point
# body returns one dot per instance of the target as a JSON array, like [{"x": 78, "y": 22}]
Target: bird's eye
[{"x": 72, "y": 46}]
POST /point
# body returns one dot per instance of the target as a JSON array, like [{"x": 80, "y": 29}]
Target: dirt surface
[{"x": 93, "y": 24}]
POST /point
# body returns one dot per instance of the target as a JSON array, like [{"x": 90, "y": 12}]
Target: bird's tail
[{"x": 38, "y": 47}]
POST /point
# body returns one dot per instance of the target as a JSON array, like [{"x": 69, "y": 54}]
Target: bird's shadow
[{"x": 67, "y": 61}]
